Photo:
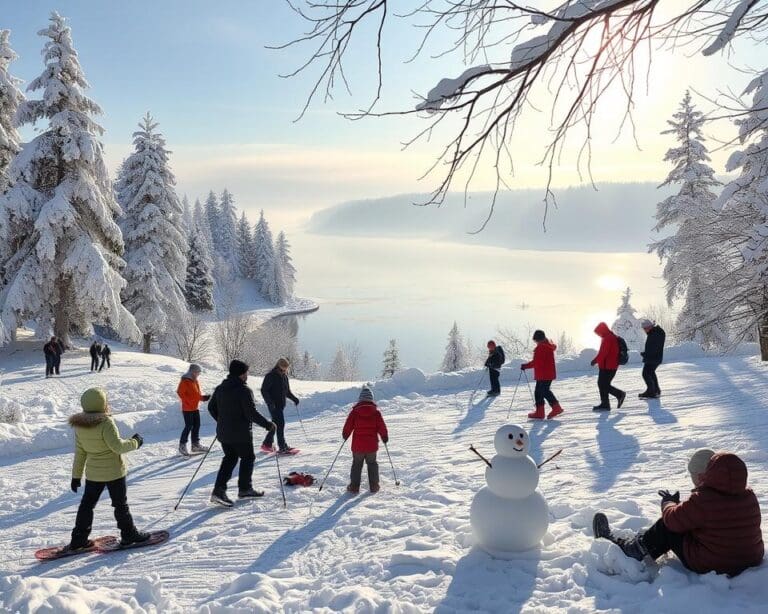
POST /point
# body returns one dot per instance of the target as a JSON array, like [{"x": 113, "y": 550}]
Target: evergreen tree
[
  {"x": 212, "y": 214},
  {"x": 391, "y": 359},
  {"x": 693, "y": 265},
  {"x": 743, "y": 297},
  {"x": 58, "y": 216},
  {"x": 155, "y": 249},
  {"x": 283, "y": 252},
  {"x": 198, "y": 289},
  {"x": 245, "y": 251},
  {"x": 200, "y": 219},
  {"x": 10, "y": 100},
  {"x": 228, "y": 247},
  {"x": 627, "y": 325},
  {"x": 456, "y": 353},
  {"x": 264, "y": 258},
  {"x": 307, "y": 368},
  {"x": 187, "y": 220},
  {"x": 276, "y": 291},
  {"x": 344, "y": 366}
]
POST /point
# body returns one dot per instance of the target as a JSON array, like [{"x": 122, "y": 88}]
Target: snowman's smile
[{"x": 516, "y": 449}]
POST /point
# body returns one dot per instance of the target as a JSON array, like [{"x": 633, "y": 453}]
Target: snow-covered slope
[{"x": 405, "y": 549}]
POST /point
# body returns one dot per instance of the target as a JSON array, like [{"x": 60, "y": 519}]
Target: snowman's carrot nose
[{"x": 518, "y": 443}]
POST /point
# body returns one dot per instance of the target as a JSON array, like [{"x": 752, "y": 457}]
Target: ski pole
[
  {"x": 485, "y": 460},
  {"x": 514, "y": 393},
  {"x": 301, "y": 422},
  {"x": 480, "y": 381},
  {"x": 556, "y": 454},
  {"x": 397, "y": 482},
  {"x": 280, "y": 478},
  {"x": 332, "y": 464},
  {"x": 527, "y": 381},
  {"x": 175, "y": 507}
]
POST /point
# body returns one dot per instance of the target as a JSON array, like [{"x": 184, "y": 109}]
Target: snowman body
[{"x": 509, "y": 514}]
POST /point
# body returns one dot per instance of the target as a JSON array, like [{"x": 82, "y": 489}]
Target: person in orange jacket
[
  {"x": 544, "y": 372},
  {"x": 190, "y": 395}
]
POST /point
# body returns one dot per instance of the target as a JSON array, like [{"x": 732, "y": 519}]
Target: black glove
[
  {"x": 75, "y": 484},
  {"x": 296, "y": 402},
  {"x": 593, "y": 363},
  {"x": 139, "y": 439},
  {"x": 205, "y": 397},
  {"x": 522, "y": 367},
  {"x": 666, "y": 496},
  {"x": 385, "y": 439}
]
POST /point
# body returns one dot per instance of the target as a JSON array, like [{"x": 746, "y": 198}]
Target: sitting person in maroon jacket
[
  {"x": 366, "y": 423},
  {"x": 543, "y": 365},
  {"x": 716, "y": 529}
]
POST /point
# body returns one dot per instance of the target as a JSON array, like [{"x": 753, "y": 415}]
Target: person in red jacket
[
  {"x": 366, "y": 425},
  {"x": 607, "y": 361},
  {"x": 544, "y": 372},
  {"x": 716, "y": 529}
]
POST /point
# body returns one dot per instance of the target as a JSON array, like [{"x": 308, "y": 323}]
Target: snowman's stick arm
[
  {"x": 485, "y": 460},
  {"x": 555, "y": 455}
]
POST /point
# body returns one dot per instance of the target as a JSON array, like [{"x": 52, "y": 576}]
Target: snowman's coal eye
[
  {"x": 521, "y": 435},
  {"x": 511, "y": 436}
]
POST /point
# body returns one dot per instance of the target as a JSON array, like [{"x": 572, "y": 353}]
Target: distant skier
[
  {"x": 190, "y": 395},
  {"x": 607, "y": 361},
  {"x": 716, "y": 529},
  {"x": 366, "y": 425},
  {"x": 233, "y": 408},
  {"x": 59, "y": 348},
  {"x": 98, "y": 454},
  {"x": 652, "y": 358},
  {"x": 494, "y": 362},
  {"x": 105, "y": 354},
  {"x": 95, "y": 352},
  {"x": 544, "y": 372},
  {"x": 50, "y": 350},
  {"x": 275, "y": 389}
]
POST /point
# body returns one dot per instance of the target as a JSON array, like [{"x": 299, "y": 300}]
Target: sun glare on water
[{"x": 611, "y": 282}]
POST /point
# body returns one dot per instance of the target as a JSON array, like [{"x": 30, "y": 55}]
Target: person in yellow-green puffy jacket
[{"x": 98, "y": 455}]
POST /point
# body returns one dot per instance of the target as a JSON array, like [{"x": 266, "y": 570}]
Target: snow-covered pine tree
[
  {"x": 456, "y": 353},
  {"x": 10, "y": 100},
  {"x": 198, "y": 288},
  {"x": 744, "y": 299},
  {"x": 307, "y": 368},
  {"x": 391, "y": 359},
  {"x": 227, "y": 237},
  {"x": 245, "y": 252},
  {"x": 187, "y": 221},
  {"x": 276, "y": 291},
  {"x": 693, "y": 265},
  {"x": 345, "y": 364},
  {"x": 59, "y": 213},
  {"x": 200, "y": 220},
  {"x": 283, "y": 252},
  {"x": 155, "y": 249},
  {"x": 627, "y": 325},
  {"x": 264, "y": 251},
  {"x": 212, "y": 215}
]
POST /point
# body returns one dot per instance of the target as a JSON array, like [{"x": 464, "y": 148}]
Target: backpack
[
  {"x": 298, "y": 479},
  {"x": 501, "y": 353},
  {"x": 623, "y": 351}
]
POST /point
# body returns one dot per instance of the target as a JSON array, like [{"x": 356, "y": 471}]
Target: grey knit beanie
[
  {"x": 366, "y": 394},
  {"x": 699, "y": 461}
]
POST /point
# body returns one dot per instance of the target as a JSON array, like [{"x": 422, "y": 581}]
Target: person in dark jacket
[
  {"x": 49, "y": 350},
  {"x": 544, "y": 372},
  {"x": 366, "y": 425},
  {"x": 234, "y": 410},
  {"x": 105, "y": 354},
  {"x": 494, "y": 362},
  {"x": 59, "y": 348},
  {"x": 607, "y": 361},
  {"x": 652, "y": 358},
  {"x": 275, "y": 389},
  {"x": 716, "y": 529},
  {"x": 95, "y": 352}
]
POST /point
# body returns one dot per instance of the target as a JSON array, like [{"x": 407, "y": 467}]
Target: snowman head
[{"x": 512, "y": 440}]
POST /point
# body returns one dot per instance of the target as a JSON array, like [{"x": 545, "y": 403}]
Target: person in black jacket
[
  {"x": 105, "y": 354},
  {"x": 652, "y": 358},
  {"x": 493, "y": 362},
  {"x": 50, "y": 350},
  {"x": 275, "y": 389},
  {"x": 95, "y": 351},
  {"x": 59, "y": 348},
  {"x": 234, "y": 410}
]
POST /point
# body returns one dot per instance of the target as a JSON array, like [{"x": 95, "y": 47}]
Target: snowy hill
[
  {"x": 405, "y": 549},
  {"x": 617, "y": 217}
]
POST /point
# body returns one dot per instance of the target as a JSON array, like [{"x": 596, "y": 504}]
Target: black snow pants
[
  {"x": 651, "y": 381},
  {"x": 542, "y": 392},
  {"x": 604, "y": 379},
  {"x": 659, "y": 540},
  {"x": 494, "y": 376},
  {"x": 242, "y": 451},
  {"x": 91, "y": 494}
]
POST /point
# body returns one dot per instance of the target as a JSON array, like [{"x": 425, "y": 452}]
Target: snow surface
[{"x": 405, "y": 549}]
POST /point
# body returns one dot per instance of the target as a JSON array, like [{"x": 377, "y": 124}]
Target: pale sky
[{"x": 203, "y": 70}]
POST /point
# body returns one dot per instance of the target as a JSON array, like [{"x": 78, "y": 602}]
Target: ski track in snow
[{"x": 405, "y": 549}]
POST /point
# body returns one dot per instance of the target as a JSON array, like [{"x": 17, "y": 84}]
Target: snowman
[{"x": 509, "y": 514}]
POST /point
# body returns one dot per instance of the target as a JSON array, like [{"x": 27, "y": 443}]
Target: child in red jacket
[
  {"x": 366, "y": 423},
  {"x": 544, "y": 372}
]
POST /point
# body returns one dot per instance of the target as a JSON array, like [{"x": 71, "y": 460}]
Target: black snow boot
[
  {"x": 220, "y": 498},
  {"x": 134, "y": 537},
  {"x": 249, "y": 493},
  {"x": 620, "y": 399},
  {"x": 645, "y": 395},
  {"x": 633, "y": 547},
  {"x": 601, "y": 407}
]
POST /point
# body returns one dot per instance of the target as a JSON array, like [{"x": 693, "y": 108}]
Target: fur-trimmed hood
[{"x": 87, "y": 420}]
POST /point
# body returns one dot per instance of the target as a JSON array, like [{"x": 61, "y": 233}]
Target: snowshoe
[
  {"x": 221, "y": 498},
  {"x": 153, "y": 538},
  {"x": 249, "y": 494},
  {"x": 288, "y": 451},
  {"x": 199, "y": 449},
  {"x": 267, "y": 449},
  {"x": 58, "y": 552},
  {"x": 620, "y": 400},
  {"x": 137, "y": 537},
  {"x": 183, "y": 450}
]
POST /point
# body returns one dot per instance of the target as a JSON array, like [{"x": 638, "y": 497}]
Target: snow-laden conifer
[
  {"x": 283, "y": 253},
  {"x": 693, "y": 265},
  {"x": 345, "y": 364},
  {"x": 456, "y": 353},
  {"x": 212, "y": 215},
  {"x": 59, "y": 214},
  {"x": 198, "y": 288},
  {"x": 391, "y": 363},
  {"x": 264, "y": 251},
  {"x": 187, "y": 221},
  {"x": 155, "y": 249},
  {"x": 627, "y": 325},
  {"x": 227, "y": 231},
  {"x": 200, "y": 220},
  {"x": 245, "y": 252},
  {"x": 10, "y": 100}
]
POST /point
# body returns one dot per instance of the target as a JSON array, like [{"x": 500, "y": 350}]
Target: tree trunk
[
  {"x": 61, "y": 315},
  {"x": 147, "y": 340},
  {"x": 763, "y": 336}
]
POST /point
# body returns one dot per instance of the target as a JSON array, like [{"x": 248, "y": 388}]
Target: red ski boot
[
  {"x": 556, "y": 411},
  {"x": 538, "y": 414}
]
